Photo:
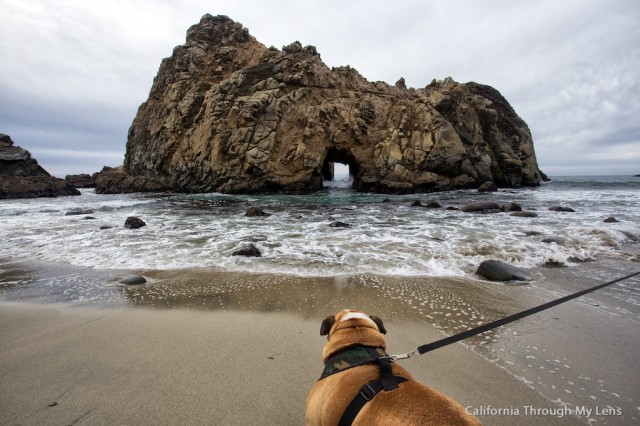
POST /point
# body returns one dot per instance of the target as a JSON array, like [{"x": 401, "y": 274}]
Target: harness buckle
[
  {"x": 367, "y": 392},
  {"x": 394, "y": 358}
]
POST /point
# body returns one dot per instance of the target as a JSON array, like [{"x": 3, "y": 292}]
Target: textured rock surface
[
  {"x": 22, "y": 177},
  {"x": 133, "y": 222},
  {"x": 225, "y": 113},
  {"x": 249, "y": 251},
  {"x": 82, "y": 180}
]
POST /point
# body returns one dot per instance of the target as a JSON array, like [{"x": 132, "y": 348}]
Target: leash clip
[{"x": 394, "y": 358}]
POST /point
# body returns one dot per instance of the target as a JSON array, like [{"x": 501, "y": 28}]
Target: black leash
[{"x": 499, "y": 323}]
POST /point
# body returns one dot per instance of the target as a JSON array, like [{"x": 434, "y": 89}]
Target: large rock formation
[
  {"x": 228, "y": 114},
  {"x": 22, "y": 177}
]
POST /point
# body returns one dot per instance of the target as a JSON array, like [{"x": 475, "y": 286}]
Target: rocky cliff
[
  {"x": 228, "y": 114},
  {"x": 22, "y": 177}
]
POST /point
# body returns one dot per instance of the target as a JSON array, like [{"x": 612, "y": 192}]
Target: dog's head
[{"x": 351, "y": 327}]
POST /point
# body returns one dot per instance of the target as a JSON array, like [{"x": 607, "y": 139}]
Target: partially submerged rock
[
  {"x": 133, "y": 280},
  {"x": 78, "y": 212},
  {"x": 555, "y": 240},
  {"x": 525, "y": 213},
  {"x": 249, "y": 251},
  {"x": 494, "y": 270},
  {"x": 338, "y": 224},
  {"x": 480, "y": 206},
  {"x": 133, "y": 222},
  {"x": 511, "y": 207},
  {"x": 256, "y": 212},
  {"x": 561, "y": 209}
]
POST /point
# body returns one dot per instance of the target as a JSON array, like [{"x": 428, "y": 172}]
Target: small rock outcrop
[
  {"x": 553, "y": 240},
  {"x": 133, "y": 280},
  {"x": 480, "y": 207},
  {"x": 511, "y": 207},
  {"x": 227, "y": 114},
  {"x": 338, "y": 224},
  {"x": 79, "y": 212},
  {"x": 22, "y": 177},
  {"x": 494, "y": 270},
  {"x": 526, "y": 213},
  {"x": 248, "y": 251},
  {"x": 82, "y": 180},
  {"x": 562, "y": 209},
  {"x": 133, "y": 222},
  {"x": 256, "y": 212}
]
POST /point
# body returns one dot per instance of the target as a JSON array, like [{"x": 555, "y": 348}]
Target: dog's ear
[
  {"x": 379, "y": 323},
  {"x": 327, "y": 323}
]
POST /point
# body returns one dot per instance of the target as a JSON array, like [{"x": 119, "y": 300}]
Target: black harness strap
[{"x": 387, "y": 382}]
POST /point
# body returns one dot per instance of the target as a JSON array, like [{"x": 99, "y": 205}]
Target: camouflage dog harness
[{"x": 354, "y": 357}]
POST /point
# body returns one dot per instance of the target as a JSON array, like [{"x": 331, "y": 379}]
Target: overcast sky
[{"x": 73, "y": 72}]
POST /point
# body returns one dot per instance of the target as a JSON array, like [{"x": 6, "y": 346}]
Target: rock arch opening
[{"x": 339, "y": 168}]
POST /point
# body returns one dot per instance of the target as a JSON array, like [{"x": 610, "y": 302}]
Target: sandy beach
[{"x": 247, "y": 350}]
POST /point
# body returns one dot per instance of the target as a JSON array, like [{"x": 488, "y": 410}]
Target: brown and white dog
[{"x": 410, "y": 404}]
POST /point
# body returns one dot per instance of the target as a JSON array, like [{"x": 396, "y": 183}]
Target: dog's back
[{"x": 411, "y": 404}]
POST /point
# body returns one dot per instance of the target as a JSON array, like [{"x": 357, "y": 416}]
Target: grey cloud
[{"x": 73, "y": 74}]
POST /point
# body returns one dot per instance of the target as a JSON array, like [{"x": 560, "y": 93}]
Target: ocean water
[
  {"x": 396, "y": 260},
  {"x": 386, "y": 234}
]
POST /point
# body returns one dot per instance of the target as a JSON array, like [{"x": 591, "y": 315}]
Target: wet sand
[{"x": 209, "y": 347}]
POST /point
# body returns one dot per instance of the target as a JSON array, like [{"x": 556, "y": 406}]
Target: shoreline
[{"x": 541, "y": 362}]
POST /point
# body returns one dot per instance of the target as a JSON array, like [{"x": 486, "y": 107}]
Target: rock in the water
[
  {"x": 433, "y": 205},
  {"x": 78, "y": 212},
  {"x": 82, "y": 180},
  {"x": 611, "y": 220},
  {"x": 416, "y": 203},
  {"x": 488, "y": 187},
  {"x": 556, "y": 240},
  {"x": 511, "y": 207},
  {"x": 22, "y": 177},
  {"x": 134, "y": 223},
  {"x": 480, "y": 206},
  {"x": 525, "y": 213},
  {"x": 561, "y": 209},
  {"x": 256, "y": 212},
  {"x": 250, "y": 251},
  {"x": 133, "y": 280},
  {"x": 228, "y": 114},
  {"x": 494, "y": 270},
  {"x": 338, "y": 224}
]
